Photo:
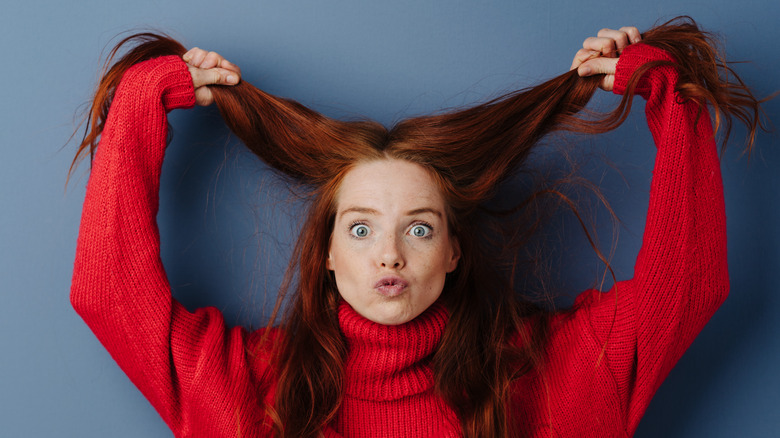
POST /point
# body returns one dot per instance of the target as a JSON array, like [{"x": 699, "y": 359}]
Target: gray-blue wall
[{"x": 379, "y": 59}]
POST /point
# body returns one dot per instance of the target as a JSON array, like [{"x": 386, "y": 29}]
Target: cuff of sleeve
[
  {"x": 633, "y": 57},
  {"x": 178, "y": 89},
  {"x": 168, "y": 77}
]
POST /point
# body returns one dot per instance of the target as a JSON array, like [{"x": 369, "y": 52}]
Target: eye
[
  {"x": 359, "y": 230},
  {"x": 421, "y": 230}
]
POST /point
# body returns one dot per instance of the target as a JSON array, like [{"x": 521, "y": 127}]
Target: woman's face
[{"x": 391, "y": 248}]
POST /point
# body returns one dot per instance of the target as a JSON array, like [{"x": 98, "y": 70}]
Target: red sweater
[{"x": 606, "y": 358}]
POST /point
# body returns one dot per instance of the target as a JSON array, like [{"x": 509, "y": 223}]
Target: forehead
[{"x": 389, "y": 184}]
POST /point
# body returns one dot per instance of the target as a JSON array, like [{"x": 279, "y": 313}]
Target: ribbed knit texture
[
  {"x": 388, "y": 381},
  {"x": 606, "y": 358}
]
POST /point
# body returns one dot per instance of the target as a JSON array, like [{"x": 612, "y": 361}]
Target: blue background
[{"x": 384, "y": 60}]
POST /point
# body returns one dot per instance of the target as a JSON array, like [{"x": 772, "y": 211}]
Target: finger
[
  {"x": 203, "y": 96},
  {"x": 633, "y": 34},
  {"x": 597, "y": 66},
  {"x": 620, "y": 38},
  {"x": 187, "y": 56},
  {"x": 230, "y": 66},
  {"x": 212, "y": 59},
  {"x": 583, "y": 55},
  {"x": 603, "y": 45},
  {"x": 607, "y": 83},
  {"x": 194, "y": 56},
  {"x": 213, "y": 76}
]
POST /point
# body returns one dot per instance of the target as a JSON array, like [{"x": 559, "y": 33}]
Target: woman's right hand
[{"x": 209, "y": 68}]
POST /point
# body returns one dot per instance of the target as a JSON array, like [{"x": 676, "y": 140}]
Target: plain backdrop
[{"x": 227, "y": 225}]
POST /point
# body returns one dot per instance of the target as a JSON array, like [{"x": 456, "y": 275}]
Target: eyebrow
[
  {"x": 363, "y": 210},
  {"x": 371, "y": 211},
  {"x": 423, "y": 210}
]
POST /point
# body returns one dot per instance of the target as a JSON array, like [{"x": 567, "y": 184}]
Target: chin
[
  {"x": 391, "y": 320},
  {"x": 391, "y": 314}
]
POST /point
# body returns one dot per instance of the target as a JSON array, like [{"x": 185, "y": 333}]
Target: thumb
[
  {"x": 212, "y": 76},
  {"x": 597, "y": 66}
]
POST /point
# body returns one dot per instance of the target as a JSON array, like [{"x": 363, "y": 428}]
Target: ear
[
  {"x": 329, "y": 259},
  {"x": 455, "y": 254}
]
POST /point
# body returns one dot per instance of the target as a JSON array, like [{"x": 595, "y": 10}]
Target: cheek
[
  {"x": 342, "y": 255},
  {"x": 433, "y": 261}
]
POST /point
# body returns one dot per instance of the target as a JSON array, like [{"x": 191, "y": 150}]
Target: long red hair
[{"x": 469, "y": 152}]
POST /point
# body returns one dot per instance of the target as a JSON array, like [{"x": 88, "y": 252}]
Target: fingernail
[
  {"x": 585, "y": 71},
  {"x": 231, "y": 79}
]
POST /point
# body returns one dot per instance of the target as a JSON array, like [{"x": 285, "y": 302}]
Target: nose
[{"x": 390, "y": 253}]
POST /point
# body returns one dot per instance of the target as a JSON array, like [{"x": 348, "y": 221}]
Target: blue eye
[
  {"x": 359, "y": 230},
  {"x": 420, "y": 230}
]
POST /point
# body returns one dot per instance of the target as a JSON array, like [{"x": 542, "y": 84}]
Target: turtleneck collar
[{"x": 388, "y": 362}]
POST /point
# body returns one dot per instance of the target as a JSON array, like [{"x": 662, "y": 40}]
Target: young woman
[{"x": 403, "y": 318}]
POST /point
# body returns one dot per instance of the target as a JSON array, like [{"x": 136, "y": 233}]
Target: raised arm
[
  {"x": 192, "y": 368},
  {"x": 680, "y": 277}
]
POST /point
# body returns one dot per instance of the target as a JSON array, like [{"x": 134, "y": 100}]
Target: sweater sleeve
[
  {"x": 188, "y": 365},
  {"x": 680, "y": 276}
]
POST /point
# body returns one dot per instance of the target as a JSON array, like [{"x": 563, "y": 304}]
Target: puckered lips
[{"x": 391, "y": 286}]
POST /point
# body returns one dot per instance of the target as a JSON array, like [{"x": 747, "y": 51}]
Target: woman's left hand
[{"x": 599, "y": 54}]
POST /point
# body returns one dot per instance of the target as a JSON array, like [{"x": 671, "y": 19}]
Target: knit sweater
[{"x": 605, "y": 358}]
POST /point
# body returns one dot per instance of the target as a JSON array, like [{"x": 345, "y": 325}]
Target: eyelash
[
  {"x": 426, "y": 224},
  {"x": 353, "y": 225}
]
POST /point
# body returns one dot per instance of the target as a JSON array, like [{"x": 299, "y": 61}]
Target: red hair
[{"x": 469, "y": 152}]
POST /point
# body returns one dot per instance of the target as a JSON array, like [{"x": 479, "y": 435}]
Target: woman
[{"x": 403, "y": 319}]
